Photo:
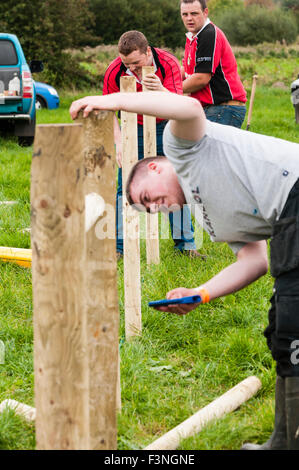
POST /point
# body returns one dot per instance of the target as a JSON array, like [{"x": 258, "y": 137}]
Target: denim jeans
[
  {"x": 182, "y": 230},
  {"x": 226, "y": 114}
]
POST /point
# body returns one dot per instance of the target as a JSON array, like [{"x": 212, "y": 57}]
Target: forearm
[
  {"x": 251, "y": 265},
  {"x": 186, "y": 114},
  {"x": 231, "y": 279},
  {"x": 157, "y": 103},
  {"x": 196, "y": 82}
]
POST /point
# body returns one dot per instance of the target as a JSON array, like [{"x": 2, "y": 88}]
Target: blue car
[
  {"x": 46, "y": 96},
  {"x": 17, "y": 90}
]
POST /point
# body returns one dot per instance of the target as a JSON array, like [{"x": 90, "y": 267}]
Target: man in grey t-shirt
[{"x": 247, "y": 186}]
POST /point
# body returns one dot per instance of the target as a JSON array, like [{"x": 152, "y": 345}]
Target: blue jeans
[
  {"x": 182, "y": 230},
  {"x": 226, "y": 114}
]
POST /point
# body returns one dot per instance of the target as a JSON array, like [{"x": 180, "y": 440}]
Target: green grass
[{"x": 179, "y": 364}]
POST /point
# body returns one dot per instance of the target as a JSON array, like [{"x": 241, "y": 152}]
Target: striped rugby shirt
[
  {"x": 210, "y": 52},
  {"x": 167, "y": 68}
]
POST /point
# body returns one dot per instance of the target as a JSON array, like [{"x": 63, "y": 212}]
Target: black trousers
[{"x": 282, "y": 332}]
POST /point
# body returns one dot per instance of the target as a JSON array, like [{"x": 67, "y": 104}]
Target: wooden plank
[
  {"x": 60, "y": 324},
  {"x": 21, "y": 256},
  {"x": 21, "y": 409},
  {"x": 132, "y": 285},
  {"x": 226, "y": 403},
  {"x": 150, "y": 150},
  {"x": 101, "y": 296}
]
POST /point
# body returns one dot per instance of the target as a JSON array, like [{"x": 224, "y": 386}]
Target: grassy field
[{"x": 179, "y": 364}]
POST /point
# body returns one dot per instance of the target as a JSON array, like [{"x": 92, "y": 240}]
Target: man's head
[
  {"x": 153, "y": 185},
  {"x": 194, "y": 14},
  {"x": 134, "y": 51}
]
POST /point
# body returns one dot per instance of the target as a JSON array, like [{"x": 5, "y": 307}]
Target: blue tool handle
[{"x": 193, "y": 299}]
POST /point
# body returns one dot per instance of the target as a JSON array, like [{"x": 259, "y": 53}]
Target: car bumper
[{"x": 26, "y": 117}]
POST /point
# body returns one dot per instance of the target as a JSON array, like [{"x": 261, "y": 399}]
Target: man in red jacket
[
  {"x": 134, "y": 53},
  {"x": 209, "y": 67}
]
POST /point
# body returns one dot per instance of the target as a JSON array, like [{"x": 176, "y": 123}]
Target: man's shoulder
[
  {"x": 208, "y": 31},
  {"x": 114, "y": 65},
  {"x": 165, "y": 55}
]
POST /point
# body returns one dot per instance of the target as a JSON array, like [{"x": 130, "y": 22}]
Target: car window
[{"x": 8, "y": 54}]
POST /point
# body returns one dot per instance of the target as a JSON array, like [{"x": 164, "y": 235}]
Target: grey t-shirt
[{"x": 240, "y": 179}]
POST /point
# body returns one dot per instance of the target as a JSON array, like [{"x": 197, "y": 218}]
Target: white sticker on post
[{"x": 94, "y": 208}]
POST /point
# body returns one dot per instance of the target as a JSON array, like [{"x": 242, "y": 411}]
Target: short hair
[
  {"x": 202, "y": 2},
  {"x": 139, "y": 169},
  {"x": 132, "y": 41}
]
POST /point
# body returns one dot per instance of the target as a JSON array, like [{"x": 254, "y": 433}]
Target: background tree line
[{"x": 47, "y": 29}]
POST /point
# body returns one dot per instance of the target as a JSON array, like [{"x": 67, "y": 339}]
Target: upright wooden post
[
  {"x": 100, "y": 270},
  {"x": 74, "y": 288},
  {"x": 150, "y": 150},
  {"x": 132, "y": 285},
  {"x": 60, "y": 335},
  {"x": 253, "y": 88}
]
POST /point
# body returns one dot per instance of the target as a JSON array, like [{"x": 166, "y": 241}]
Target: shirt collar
[{"x": 190, "y": 35}]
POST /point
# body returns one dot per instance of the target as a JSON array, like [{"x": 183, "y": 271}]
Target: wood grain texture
[
  {"x": 101, "y": 296},
  {"x": 132, "y": 286},
  {"x": 74, "y": 287},
  {"x": 57, "y": 242},
  {"x": 150, "y": 150}
]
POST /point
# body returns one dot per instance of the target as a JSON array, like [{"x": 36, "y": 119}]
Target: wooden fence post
[
  {"x": 101, "y": 296},
  {"x": 150, "y": 150},
  {"x": 132, "y": 285},
  {"x": 73, "y": 328},
  {"x": 57, "y": 238}
]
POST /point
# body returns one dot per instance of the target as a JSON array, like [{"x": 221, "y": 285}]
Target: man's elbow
[{"x": 263, "y": 266}]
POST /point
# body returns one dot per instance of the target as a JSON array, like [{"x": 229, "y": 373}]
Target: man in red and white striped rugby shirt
[
  {"x": 134, "y": 53},
  {"x": 209, "y": 69}
]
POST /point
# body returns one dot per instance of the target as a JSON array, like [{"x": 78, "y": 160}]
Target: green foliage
[
  {"x": 293, "y": 5},
  {"x": 218, "y": 7},
  {"x": 159, "y": 20},
  {"x": 46, "y": 29},
  {"x": 255, "y": 25}
]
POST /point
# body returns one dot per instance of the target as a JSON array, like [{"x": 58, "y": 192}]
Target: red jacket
[
  {"x": 210, "y": 52},
  {"x": 167, "y": 69}
]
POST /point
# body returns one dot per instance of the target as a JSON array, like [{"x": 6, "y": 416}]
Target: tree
[
  {"x": 46, "y": 28},
  {"x": 262, "y": 3},
  {"x": 217, "y": 8},
  {"x": 159, "y": 20},
  {"x": 292, "y": 5},
  {"x": 255, "y": 25}
]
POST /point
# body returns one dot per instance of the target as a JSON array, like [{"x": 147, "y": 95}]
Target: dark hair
[
  {"x": 132, "y": 41},
  {"x": 202, "y": 2},
  {"x": 139, "y": 169}
]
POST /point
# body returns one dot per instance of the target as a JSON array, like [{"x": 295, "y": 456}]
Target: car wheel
[
  {"x": 25, "y": 141},
  {"x": 40, "y": 103}
]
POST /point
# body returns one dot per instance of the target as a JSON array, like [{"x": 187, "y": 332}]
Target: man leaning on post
[
  {"x": 209, "y": 69},
  {"x": 134, "y": 53}
]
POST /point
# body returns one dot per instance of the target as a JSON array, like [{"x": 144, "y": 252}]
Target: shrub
[
  {"x": 255, "y": 25},
  {"x": 218, "y": 7},
  {"x": 159, "y": 20}
]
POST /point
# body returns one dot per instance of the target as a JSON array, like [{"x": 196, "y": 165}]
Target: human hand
[
  {"x": 179, "y": 309},
  {"x": 152, "y": 82},
  {"x": 91, "y": 103}
]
